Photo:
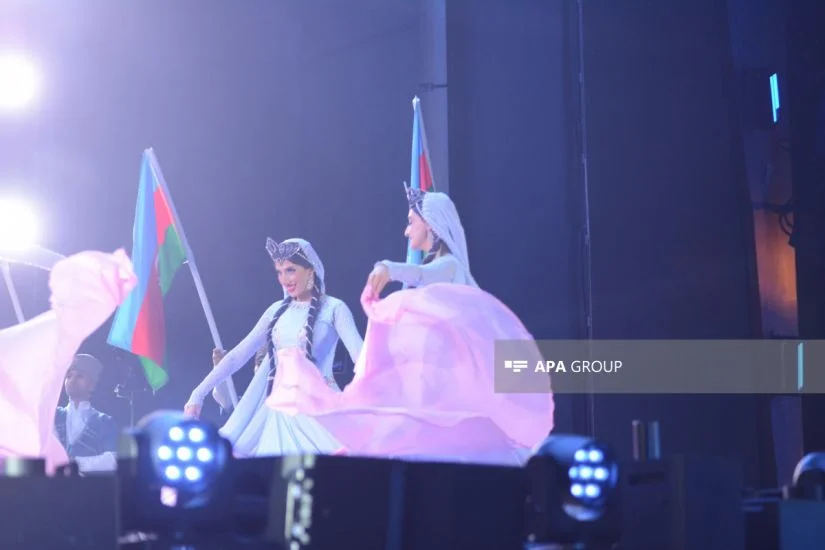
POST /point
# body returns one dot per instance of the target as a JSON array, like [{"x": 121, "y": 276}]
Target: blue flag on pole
[{"x": 421, "y": 176}]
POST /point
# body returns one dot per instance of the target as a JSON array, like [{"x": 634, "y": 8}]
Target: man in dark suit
[{"x": 88, "y": 435}]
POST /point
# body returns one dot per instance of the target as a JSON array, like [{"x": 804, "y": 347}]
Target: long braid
[
  {"x": 312, "y": 316},
  {"x": 270, "y": 345}
]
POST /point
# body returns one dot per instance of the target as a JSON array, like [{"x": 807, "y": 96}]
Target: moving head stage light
[
  {"x": 177, "y": 485},
  {"x": 573, "y": 493},
  {"x": 179, "y": 482},
  {"x": 794, "y": 517}
]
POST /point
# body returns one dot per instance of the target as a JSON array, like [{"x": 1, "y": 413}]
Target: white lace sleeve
[
  {"x": 347, "y": 331},
  {"x": 440, "y": 270},
  {"x": 236, "y": 358}
]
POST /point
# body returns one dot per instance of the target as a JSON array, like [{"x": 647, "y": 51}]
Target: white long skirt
[{"x": 254, "y": 429}]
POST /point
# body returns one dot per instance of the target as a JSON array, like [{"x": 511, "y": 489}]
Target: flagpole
[
  {"x": 15, "y": 300},
  {"x": 418, "y": 121},
  {"x": 193, "y": 268},
  {"x": 33, "y": 256}
]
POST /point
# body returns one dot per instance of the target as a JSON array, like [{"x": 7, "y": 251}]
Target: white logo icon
[{"x": 515, "y": 366}]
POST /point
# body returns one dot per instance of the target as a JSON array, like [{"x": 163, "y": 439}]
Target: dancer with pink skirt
[
  {"x": 424, "y": 381},
  {"x": 35, "y": 355}
]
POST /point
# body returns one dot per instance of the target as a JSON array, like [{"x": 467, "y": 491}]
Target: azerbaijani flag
[
  {"x": 158, "y": 253},
  {"x": 421, "y": 176}
]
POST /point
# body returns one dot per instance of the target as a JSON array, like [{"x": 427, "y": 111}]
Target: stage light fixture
[
  {"x": 174, "y": 475},
  {"x": 184, "y": 456},
  {"x": 809, "y": 478},
  {"x": 573, "y": 485},
  {"x": 181, "y": 453}
]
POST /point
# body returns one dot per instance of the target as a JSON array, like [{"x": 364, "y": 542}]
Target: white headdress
[
  {"x": 289, "y": 248},
  {"x": 439, "y": 211}
]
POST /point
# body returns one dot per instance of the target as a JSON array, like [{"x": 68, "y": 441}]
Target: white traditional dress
[{"x": 257, "y": 430}]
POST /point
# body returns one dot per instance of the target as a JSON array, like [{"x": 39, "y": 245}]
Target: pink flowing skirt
[
  {"x": 34, "y": 356},
  {"x": 423, "y": 385}
]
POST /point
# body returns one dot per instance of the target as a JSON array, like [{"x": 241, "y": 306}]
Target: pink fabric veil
[
  {"x": 424, "y": 382},
  {"x": 34, "y": 356}
]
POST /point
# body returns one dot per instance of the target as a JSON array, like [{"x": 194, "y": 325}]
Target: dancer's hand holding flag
[{"x": 192, "y": 411}]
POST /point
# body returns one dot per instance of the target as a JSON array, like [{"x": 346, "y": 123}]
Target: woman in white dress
[
  {"x": 427, "y": 386},
  {"x": 306, "y": 319}
]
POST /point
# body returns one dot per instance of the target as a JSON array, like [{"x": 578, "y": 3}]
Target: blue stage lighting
[
  {"x": 574, "y": 491},
  {"x": 809, "y": 478},
  {"x": 186, "y": 454},
  {"x": 592, "y": 473},
  {"x": 179, "y": 482}
]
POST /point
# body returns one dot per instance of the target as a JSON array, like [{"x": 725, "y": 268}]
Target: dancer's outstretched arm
[
  {"x": 440, "y": 270},
  {"x": 233, "y": 361}
]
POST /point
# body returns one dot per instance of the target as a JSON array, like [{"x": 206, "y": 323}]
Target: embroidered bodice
[{"x": 334, "y": 322}]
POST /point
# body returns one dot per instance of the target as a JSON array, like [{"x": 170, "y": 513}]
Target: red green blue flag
[
  {"x": 421, "y": 175},
  {"x": 158, "y": 252}
]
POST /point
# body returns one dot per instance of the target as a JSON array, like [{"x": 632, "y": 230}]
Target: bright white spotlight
[
  {"x": 176, "y": 433},
  {"x": 19, "y": 81},
  {"x": 196, "y": 435},
  {"x": 18, "y": 225},
  {"x": 192, "y": 473},
  {"x": 184, "y": 454},
  {"x": 204, "y": 454}
]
